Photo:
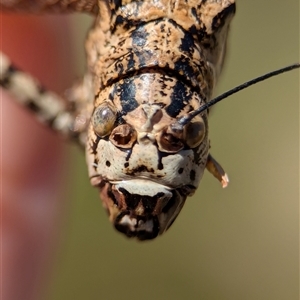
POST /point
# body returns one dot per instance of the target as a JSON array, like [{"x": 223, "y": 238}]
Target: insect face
[
  {"x": 152, "y": 68},
  {"x": 143, "y": 165}
]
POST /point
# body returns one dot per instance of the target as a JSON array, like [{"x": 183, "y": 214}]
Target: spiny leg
[{"x": 49, "y": 108}]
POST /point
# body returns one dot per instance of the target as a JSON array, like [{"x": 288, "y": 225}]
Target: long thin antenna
[{"x": 186, "y": 119}]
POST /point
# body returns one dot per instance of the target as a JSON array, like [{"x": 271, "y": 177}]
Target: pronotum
[{"x": 141, "y": 110}]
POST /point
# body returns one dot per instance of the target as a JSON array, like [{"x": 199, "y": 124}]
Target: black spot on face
[
  {"x": 107, "y": 163},
  {"x": 180, "y": 171}
]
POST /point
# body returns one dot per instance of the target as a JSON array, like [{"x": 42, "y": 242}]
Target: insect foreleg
[{"x": 49, "y": 108}]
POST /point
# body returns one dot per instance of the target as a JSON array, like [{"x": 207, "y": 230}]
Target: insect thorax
[{"x": 152, "y": 62}]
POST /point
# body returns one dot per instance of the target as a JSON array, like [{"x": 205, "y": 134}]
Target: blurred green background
[{"x": 236, "y": 243}]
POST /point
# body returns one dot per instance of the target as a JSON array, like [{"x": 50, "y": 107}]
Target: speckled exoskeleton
[{"x": 150, "y": 64}]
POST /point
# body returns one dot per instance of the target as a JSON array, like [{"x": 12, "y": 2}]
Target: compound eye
[
  {"x": 194, "y": 132},
  {"x": 103, "y": 119}
]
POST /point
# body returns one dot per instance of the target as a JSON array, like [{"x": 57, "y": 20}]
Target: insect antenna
[{"x": 186, "y": 119}]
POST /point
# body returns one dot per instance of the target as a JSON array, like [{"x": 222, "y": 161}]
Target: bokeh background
[{"x": 236, "y": 243}]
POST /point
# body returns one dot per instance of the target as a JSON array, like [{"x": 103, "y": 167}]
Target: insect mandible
[{"x": 152, "y": 65}]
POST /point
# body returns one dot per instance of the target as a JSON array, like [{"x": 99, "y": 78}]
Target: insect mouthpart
[{"x": 141, "y": 208}]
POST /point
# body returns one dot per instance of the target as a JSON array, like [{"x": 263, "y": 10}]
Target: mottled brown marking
[{"x": 149, "y": 63}]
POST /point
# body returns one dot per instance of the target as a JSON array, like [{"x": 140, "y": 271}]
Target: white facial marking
[
  {"x": 127, "y": 221},
  {"x": 141, "y": 225},
  {"x": 147, "y": 226}
]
